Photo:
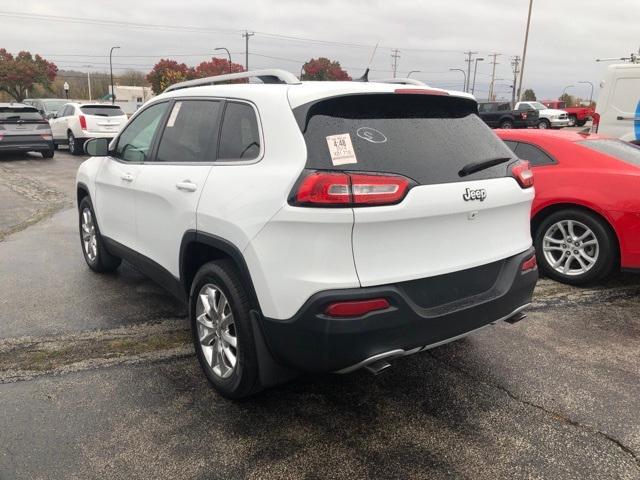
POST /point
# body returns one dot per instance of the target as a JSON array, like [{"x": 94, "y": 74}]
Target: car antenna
[{"x": 365, "y": 76}]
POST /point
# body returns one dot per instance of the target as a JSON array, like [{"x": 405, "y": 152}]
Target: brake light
[
  {"x": 529, "y": 264},
  {"x": 595, "y": 122},
  {"x": 421, "y": 91},
  {"x": 337, "y": 189},
  {"x": 356, "y": 308},
  {"x": 46, "y": 137},
  {"x": 523, "y": 174},
  {"x": 83, "y": 122}
]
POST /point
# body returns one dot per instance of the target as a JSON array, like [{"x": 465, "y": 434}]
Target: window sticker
[
  {"x": 371, "y": 135},
  {"x": 174, "y": 114},
  {"x": 341, "y": 149}
]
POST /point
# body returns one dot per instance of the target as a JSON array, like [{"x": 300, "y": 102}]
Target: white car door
[
  {"x": 115, "y": 195},
  {"x": 169, "y": 187},
  {"x": 58, "y": 124}
]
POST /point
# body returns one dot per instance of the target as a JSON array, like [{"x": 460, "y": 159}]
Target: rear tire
[
  {"x": 222, "y": 331},
  {"x": 572, "y": 120},
  {"x": 544, "y": 124},
  {"x": 506, "y": 124},
  {"x": 565, "y": 232},
  {"x": 75, "y": 144},
  {"x": 95, "y": 254},
  {"x": 48, "y": 153},
  {"x": 581, "y": 123}
]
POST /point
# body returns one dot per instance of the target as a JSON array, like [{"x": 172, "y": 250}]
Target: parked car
[
  {"x": 23, "y": 129},
  {"x": 48, "y": 107},
  {"x": 77, "y": 122},
  {"x": 548, "y": 117},
  {"x": 578, "y": 116},
  {"x": 585, "y": 220},
  {"x": 618, "y": 107},
  {"x": 500, "y": 115},
  {"x": 314, "y": 226}
]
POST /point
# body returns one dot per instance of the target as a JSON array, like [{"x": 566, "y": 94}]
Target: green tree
[
  {"x": 529, "y": 95},
  {"x": 20, "y": 73},
  {"x": 323, "y": 69},
  {"x": 569, "y": 100}
]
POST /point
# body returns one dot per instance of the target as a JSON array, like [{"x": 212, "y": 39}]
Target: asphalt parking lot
[{"x": 98, "y": 379}]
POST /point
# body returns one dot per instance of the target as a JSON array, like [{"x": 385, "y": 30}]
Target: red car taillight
[
  {"x": 337, "y": 189},
  {"x": 83, "y": 122},
  {"x": 356, "y": 308},
  {"x": 523, "y": 174}
]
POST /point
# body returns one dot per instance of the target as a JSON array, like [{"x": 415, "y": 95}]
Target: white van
[{"x": 619, "y": 103}]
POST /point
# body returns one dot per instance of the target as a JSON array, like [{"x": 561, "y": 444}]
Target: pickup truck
[
  {"x": 577, "y": 115},
  {"x": 549, "y": 117},
  {"x": 500, "y": 115}
]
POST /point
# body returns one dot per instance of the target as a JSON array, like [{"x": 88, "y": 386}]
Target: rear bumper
[
  {"x": 14, "y": 145},
  {"x": 313, "y": 341},
  {"x": 86, "y": 134}
]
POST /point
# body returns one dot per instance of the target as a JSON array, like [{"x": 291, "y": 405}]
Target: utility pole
[
  {"x": 395, "y": 54},
  {"x": 246, "y": 36},
  {"x": 469, "y": 54},
  {"x": 475, "y": 69},
  {"x": 515, "y": 62},
  {"x": 493, "y": 74},
  {"x": 524, "y": 50}
]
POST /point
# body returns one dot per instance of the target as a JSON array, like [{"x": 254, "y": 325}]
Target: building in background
[{"x": 131, "y": 98}]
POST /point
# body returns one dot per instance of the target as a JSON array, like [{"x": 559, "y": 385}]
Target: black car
[
  {"x": 501, "y": 115},
  {"x": 24, "y": 129}
]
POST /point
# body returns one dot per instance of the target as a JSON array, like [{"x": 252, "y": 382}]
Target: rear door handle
[
  {"x": 127, "y": 177},
  {"x": 186, "y": 186}
]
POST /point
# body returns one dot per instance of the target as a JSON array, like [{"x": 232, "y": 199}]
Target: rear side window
[
  {"x": 240, "y": 137},
  {"x": 16, "y": 114},
  {"x": 102, "y": 110},
  {"x": 427, "y": 138},
  {"x": 533, "y": 155},
  {"x": 616, "y": 148},
  {"x": 190, "y": 132},
  {"x": 135, "y": 141}
]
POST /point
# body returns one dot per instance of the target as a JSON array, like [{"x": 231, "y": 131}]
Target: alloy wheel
[
  {"x": 570, "y": 247},
  {"x": 217, "y": 331},
  {"x": 89, "y": 238}
]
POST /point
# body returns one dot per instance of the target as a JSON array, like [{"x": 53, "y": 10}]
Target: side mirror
[{"x": 97, "y": 147}]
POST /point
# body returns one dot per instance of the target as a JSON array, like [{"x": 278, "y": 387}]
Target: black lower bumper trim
[{"x": 313, "y": 341}]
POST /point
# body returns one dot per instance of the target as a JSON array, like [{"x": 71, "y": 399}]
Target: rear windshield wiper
[{"x": 474, "y": 167}]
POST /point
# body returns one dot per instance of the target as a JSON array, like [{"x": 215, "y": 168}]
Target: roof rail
[
  {"x": 401, "y": 81},
  {"x": 273, "y": 75}
]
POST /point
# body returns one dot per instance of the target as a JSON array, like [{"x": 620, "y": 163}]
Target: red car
[{"x": 586, "y": 213}]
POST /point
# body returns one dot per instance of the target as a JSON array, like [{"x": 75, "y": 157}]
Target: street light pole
[
  {"x": 88, "y": 79},
  {"x": 524, "y": 51},
  {"x": 591, "y": 94},
  {"x": 113, "y": 96},
  {"x": 464, "y": 75},
  {"x": 228, "y": 55},
  {"x": 475, "y": 69},
  {"x": 412, "y": 71}
]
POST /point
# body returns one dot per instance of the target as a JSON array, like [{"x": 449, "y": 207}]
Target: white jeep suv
[
  {"x": 77, "y": 122},
  {"x": 313, "y": 226}
]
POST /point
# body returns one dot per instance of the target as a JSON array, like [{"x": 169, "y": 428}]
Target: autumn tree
[
  {"x": 167, "y": 72},
  {"x": 216, "y": 66},
  {"x": 20, "y": 73},
  {"x": 529, "y": 95},
  {"x": 323, "y": 69}
]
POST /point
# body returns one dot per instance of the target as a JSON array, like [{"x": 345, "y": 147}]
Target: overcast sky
[{"x": 566, "y": 36}]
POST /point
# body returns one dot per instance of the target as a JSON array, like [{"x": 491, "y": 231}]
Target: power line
[{"x": 493, "y": 73}]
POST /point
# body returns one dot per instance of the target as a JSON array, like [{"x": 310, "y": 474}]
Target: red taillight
[
  {"x": 350, "y": 189},
  {"x": 522, "y": 172},
  {"x": 529, "y": 264},
  {"x": 356, "y": 308},
  {"x": 83, "y": 122},
  {"x": 595, "y": 122}
]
